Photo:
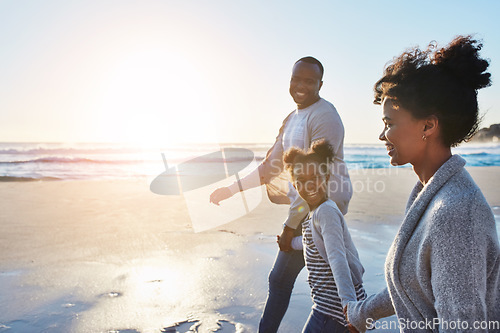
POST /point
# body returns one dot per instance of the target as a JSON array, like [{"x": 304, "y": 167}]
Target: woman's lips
[{"x": 390, "y": 149}]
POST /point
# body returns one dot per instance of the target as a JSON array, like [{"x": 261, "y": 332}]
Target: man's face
[{"x": 305, "y": 84}]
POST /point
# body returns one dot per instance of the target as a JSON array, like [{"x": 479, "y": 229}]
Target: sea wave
[
  {"x": 58, "y": 160},
  {"x": 48, "y": 161},
  {"x": 477, "y": 154},
  {"x": 26, "y": 179},
  {"x": 43, "y": 150}
]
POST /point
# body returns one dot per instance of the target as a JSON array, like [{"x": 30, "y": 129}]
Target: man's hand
[
  {"x": 285, "y": 240},
  {"x": 222, "y": 193}
]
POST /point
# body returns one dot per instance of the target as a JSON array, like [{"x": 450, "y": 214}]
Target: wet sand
[{"x": 110, "y": 256}]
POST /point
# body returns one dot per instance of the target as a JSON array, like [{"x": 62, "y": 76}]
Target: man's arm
[
  {"x": 328, "y": 126},
  {"x": 269, "y": 168}
]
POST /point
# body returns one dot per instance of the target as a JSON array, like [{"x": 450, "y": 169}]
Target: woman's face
[{"x": 403, "y": 134}]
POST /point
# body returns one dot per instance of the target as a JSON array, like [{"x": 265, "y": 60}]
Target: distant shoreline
[
  {"x": 489, "y": 134},
  {"x": 39, "y": 161}
]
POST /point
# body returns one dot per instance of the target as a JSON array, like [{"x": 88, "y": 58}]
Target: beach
[{"x": 111, "y": 256}]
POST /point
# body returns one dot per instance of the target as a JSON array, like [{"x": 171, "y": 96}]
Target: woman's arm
[
  {"x": 461, "y": 241},
  {"x": 362, "y": 314}
]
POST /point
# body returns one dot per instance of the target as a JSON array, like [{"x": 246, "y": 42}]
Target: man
[{"x": 314, "y": 119}]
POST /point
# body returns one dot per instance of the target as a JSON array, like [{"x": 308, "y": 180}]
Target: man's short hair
[{"x": 314, "y": 61}]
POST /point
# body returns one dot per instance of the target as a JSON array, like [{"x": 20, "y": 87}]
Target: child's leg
[{"x": 321, "y": 323}]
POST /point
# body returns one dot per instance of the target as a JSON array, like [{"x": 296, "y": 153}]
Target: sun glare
[{"x": 156, "y": 97}]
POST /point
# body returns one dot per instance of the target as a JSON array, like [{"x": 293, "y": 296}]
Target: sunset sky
[{"x": 165, "y": 72}]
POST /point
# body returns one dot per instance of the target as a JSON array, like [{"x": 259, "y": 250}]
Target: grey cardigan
[{"x": 444, "y": 264}]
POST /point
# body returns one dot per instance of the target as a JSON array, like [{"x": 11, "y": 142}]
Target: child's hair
[{"x": 321, "y": 152}]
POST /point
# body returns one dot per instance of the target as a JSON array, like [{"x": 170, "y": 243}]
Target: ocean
[{"x": 62, "y": 161}]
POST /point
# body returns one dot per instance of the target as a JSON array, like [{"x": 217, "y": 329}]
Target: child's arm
[{"x": 329, "y": 222}]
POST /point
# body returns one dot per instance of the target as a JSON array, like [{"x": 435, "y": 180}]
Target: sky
[{"x": 163, "y": 72}]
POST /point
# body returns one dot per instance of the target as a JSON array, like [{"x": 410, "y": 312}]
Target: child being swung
[{"x": 335, "y": 271}]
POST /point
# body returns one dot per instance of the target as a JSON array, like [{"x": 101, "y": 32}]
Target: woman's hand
[{"x": 222, "y": 193}]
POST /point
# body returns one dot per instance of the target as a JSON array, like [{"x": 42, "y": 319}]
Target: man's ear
[{"x": 320, "y": 85}]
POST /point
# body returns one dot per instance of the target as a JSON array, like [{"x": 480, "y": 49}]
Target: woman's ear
[{"x": 431, "y": 125}]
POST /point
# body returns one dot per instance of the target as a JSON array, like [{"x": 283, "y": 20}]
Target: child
[{"x": 335, "y": 272}]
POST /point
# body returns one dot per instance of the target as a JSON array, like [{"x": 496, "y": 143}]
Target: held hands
[
  {"x": 285, "y": 240},
  {"x": 222, "y": 193},
  {"x": 350, "y": 327}
]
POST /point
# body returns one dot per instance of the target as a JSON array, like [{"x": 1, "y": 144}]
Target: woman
[{"x": 443, "y": 268}]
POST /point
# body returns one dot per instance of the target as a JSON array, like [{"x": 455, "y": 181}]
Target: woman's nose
[{"x": 381, "y": 137}]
